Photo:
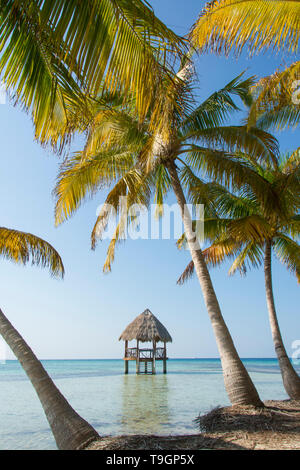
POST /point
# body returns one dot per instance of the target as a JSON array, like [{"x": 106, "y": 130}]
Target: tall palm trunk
[
  {"x": 290, "y": 378},
  {"x": 238, "y": 383},
  {"x": 71, "y": 432}
]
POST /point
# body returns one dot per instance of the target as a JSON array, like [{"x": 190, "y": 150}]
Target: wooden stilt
[
  {"x": 137, "y": 358},
  {"x": 153, "y": 359},
  {"x": 125, "y": 355},
  {"x": 165, "y": 357}
]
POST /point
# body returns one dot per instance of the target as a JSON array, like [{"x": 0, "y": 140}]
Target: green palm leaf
[
  {"x": 230, "y": 170},
  {"x": 250, "y": 256},
  {"x": 245, "y": 222},
  {"x": 288, "y": 252},
  {"x": 219, "y": 106},
  {"x": 256, "y": 143}
]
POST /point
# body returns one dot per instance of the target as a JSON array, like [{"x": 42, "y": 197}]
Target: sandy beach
[{"x": 276, "y": 427}]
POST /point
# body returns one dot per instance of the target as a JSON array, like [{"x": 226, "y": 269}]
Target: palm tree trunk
[
  {"x": 238, "y": 384},
  {"x": 290, "y": 378},
  {"x": 71, "y": 432}
]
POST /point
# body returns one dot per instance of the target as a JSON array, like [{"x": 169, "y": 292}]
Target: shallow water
[{"x": 117, "y": 404}]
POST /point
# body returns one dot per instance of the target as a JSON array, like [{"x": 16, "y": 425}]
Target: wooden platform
[{"x": 145, "y": 359}]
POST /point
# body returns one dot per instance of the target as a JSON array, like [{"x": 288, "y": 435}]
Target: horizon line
[{"x": 121, "y": 359}]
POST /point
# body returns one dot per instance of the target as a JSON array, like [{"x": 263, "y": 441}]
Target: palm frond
[
  {"x": 51, "y": 51},
  {"x": 288, "y": 252},
  {"x": 292, "y": 227},
  {"x": 275, "y": 103},
  {"x": 214, "y": 255},
  {"x": 22, "y": 248},
  {"x": 253, "y": 228},
  {"x": 250, "y": 256},
  {"x": 224, "y": 202},
  {"x": 232, "y": 170},
  {"x": 289, "y": 161},
  {"x": 33, "y": 72},
  {"x": 199, "y": 192},
  {"x": 285, "y": 116},
  {"x": 105, "y": 36},
  {"x": 111, "y": 127},
  {"x": 137, "y": 189},
  {"x": 256, "y": 143},
  {"x": 78, "y": 178},
  {"x": 162, "y": 184},
  {"x": 116, "y": 238},
  {"x": 226, "y": 25},
  {"x": 214, "y": 111}
]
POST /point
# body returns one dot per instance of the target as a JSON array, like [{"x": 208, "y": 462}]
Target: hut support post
[
  {"x": 125, "y": 355},
  {"x": 153, "y": 359},
  {"x": 137, "y": 358},
  {"x": 165, "y": 357}
]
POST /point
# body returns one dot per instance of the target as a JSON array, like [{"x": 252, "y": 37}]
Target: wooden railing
[
  {"x": 145, "y": 353},
  {"x": 160, "y": 353},
  {"x": 131, "y": 352}
]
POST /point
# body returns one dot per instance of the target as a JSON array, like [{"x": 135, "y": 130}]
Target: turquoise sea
[{"x": 117, "y": 404}]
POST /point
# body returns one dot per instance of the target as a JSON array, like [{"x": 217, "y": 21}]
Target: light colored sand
[{"x": 276, "y": 427}]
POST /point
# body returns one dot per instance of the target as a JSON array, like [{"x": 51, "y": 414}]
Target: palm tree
[
  {"x": 69, "y": 429},
  {"x": 58, "y": 59},
  {"x": 245, "y": 230},
  {"x": 58, "y": 55},
  {"x": 229, "y": 25},
  {"x": 139, "y": 161}
]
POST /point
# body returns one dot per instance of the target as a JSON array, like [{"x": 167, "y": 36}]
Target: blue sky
[{"x": 83, "y": 315}]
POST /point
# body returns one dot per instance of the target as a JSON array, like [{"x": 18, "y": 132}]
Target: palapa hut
[{"x": 146, "y": 328}]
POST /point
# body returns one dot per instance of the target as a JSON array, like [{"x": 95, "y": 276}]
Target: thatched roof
[{"x": 146, "y": 327}]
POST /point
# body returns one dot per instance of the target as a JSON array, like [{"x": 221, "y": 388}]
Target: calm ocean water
[{"x": 117, "y": 404}]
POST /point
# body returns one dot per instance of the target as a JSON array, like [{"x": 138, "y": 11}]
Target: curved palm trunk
[
  {"x": 238, "y": 383},
  {"x": 71, "y": 432},
  {"x": 290, "y": 378}
]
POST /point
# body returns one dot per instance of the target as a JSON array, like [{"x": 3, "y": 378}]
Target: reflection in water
[{"x": 145, "y": 404}]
